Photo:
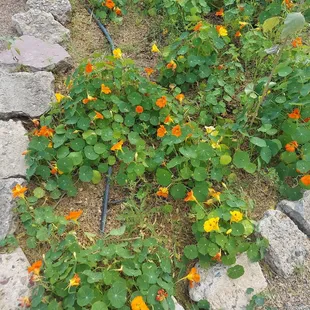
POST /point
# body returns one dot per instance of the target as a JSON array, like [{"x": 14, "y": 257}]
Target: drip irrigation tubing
[{"x": 105, "y": 200}]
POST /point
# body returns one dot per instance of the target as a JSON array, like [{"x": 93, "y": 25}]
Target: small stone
[
  {"x": 28, "y": 52},
  {"x": 13, "y": 142},
  {"x": 288, "y": 246},
  {"x": 41, "y": 25},
  {"x": 225, "y": 293},
  {"x": 60, "y": 9},
  {"x": 25, "y": 94},
  {"x": 177, "y": 305},
  {"x": 298, "y": 211},
  {"x": 6, "y": 206},
  {"x": 13, "y": 279}
]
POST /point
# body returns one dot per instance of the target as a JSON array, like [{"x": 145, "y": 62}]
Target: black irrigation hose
[{"x": 105, "y": 200}]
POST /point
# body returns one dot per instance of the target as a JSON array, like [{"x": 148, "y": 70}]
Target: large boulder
[
  {"x": 298, "y": 211},
  {"x": 41, "y": 25},
  {"x": 224, "y": 293},
  {"x": 6, "y": 207},
  {"x": 31, "y": 53},
  {"x": 25, "y": 94},
  {"x": 13, "y": 279},
  {"x": 288, "y": 246},
  {"x": 60, "y": 9},
  {"x": 13, "y": 142}
]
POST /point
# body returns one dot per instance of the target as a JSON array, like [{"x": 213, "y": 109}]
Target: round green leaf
[
  {"x": 85, "y": 295},
  {"x": 237, "y": 229},
  {"x": 191, "y": 252},
  {"x": 200, "y": 174},
  {"x": 117, "y": 294},
  {"x": 178, "y": 191},
  {"x": 90, "y": 153},
  {"x": 99, "y": 305},
  {"x": 85, "y": 174},
  {"x": 65, "y": 164},
  {"x": 39, "y": 192},
  {"x": 96, "y": 177},
  {"x": 77, "y": 144},
  {"x": 235, "y": 272},
  {"x": 225, "y": 160},
  {"x": 284, "y": 71},
  {"x": 134, "y": 98},
  {"x": 163, "y": 176}
]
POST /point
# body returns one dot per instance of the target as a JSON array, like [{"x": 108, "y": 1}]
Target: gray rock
[
  {"x": 13, "y": 279},
  {"x": 13, "y": 141},
  {"x": 60, "y": 9},
  {"x": 6, "y": 207},
  {"x": 25, "y": 94},
  {"x": 41, "y": 25},
  {"x": 298, "y": 211},
  {"x": 177, "y": 305},
  {"x": 288, "y": 246},
  {"x": 28, "y": 52},
  {"x": 294, "y": 307},
  {"x": 225, "y": 293}
]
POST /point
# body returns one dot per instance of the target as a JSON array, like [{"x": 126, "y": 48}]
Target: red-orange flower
[
  {"x": 74, "y": 215},
  {"x": 55, "y": 170},
  {"x": 161, "y": 102},
  {"x": 161, "y": 295},
  {"x": 193, "y": 277},
  {"x": 148, "y": 71},
  {"x": 168, "y": 119},
  {"x": 89, "y": 68},
  {"x": 105, "y": 89},
  {"x": 118, "y": 11},
  {"x": 161, "y": 131},
  {"x": 118, "y": 146},
  {"x": 35, "y": 122},
  {"x": 24, "y": 302},
  {"x": 295, "y": 114},
  {"x": 241, "y": 8},
  {"x": 190, "y": 196},
  {"x": 237, "y": 34},
  {"x": 176, "y": 131},
  {"x": 198, "y": 26},
  {"x": 98, "y": 115},
  {"x": 109, "y": 4},
  {"x": 35, "y": 267},
  {"x": 290, "y": 147},
  {"x": 305, "y": 180},
  {"x": 171, "y": 65},
  {"x": 306, "y": 120},
  {"x": 217, "y": 257},
  {"x": 75, "y": 281},
  {"x": 44, "y": 132},
  {"x": 19, "y": 191},
  {"x": 220, "y": 12},
  {"x": 289, "y": 4},
  {"x": 163, "y": 192},
  {"x": 180, "y": 97},
  {"x": 88, "y": 99},
  {"x": 139, "y": 109},
  {"x": 297, "y": 42}
]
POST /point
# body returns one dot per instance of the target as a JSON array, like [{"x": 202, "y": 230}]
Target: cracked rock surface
[
  {"x": 25, "y": 94},
  {"x": 41, "y": 25},
  {"x": 60, "y": 9},
  {"x": 31, "y": 53}
]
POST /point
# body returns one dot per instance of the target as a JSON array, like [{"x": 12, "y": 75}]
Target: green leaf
[
  {"x": 90, "y": 153},
  {"x": 65, "y": 165},
  {"x": 235, "y": 272},
  {"x": 99, "y": 305},
  {"x": 85, "y": 295},
  {"x": 293, "y": 23},
  {"x": 241, "y": 159},
  {"x": 270, "y": 23},
  {"x": 118, "y": 231},
  {"x": 284, "y": 71},
  {"x": 163, "y": 176},
  {"x": 258, "y": 141},
  {"x": 178, "y": 191},
  {"x": 42, "y": 234},
  {"x": 200, "y": 174},
  {"x": 77, "y": 144},
  {"x": 266, "y": 154},
  {"x": 85, "y": 173},
  {"x": 39, "y": 192},
  {"x": 203, "y": 304},
  {"x": 191, "y": 252},
  {"x": 237, "y": 229},
  {"x": 134, "y": 98},
  {"x": 225, "y": 159},
  {"x": 203, "y": 245},
  {"x": 96, "y": 179},
  {"x": 117, "y": 294},
  {"x": 229, "y": 259}
]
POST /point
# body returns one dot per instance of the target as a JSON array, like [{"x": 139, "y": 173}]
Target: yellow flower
[
  {"x": 215, "y": 194},
  {"x": 155, "y": 49},
  {"x": 228, "y": 231},
  {"x": 59, "y": 97},
  {"x": 221, "y": 30},
  {"x": 117, "y": 53},
  {"x": 209, "y": 129},
  {"x": 236, "y": 216},
  {"x": 211, "y": 224},
  {"x": 75, "y": 281},
  {"x": 117, "y": 146},
  {"x": 243, "y": 24},
  {"x": 19, "y": 191}
]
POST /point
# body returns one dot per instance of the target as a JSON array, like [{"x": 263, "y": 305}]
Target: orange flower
[
  {"x": 74, "y": 215},
  {"x": 217, "y": 257},
  {"x": 161, "y": 131},
  {"x": 190, "y": 196},
  {"x": 171, "y": 65},
  {"x": 44, "y": 131},
  {"x": 297, "y": 42},
  {"x": 306, "y": 120},
  {"x": 98, "y": 115},
  {"x": 176, "y": 131},
  {"x": 25, "y": 152},
  {"x": 118, "y": 11},
  {"x": 290, "y": 147},
  {"x": 148, "y": 71},
  {"x": 161, "y": 295},
  {"x": 139, "y": 109},
  {"x": 241, "y": 8},
  {"x": 198, "y": 26},
  {"x": 168, "y": 119},
  {"x": 295, "y": 114},
  {"x": 289, "y": 4},
  {"x": 105, "y": 89},
  {"x": 19, "y": 191},
  {"x": 237, "y": 34},
  {"x": 161, "y": 102},
  {"x": 89, "y": 68},
  {"x": 117, "y": 146},
  {"x": 220, "y": 67},
  {"x": 35, "y": 267},
  {"x": 193, "y": 277},
  {"x": 89, "y": 98},
  {"x": 55, "y": 170},
  {"x": 109, "y": 4},
  {"x": 75, "y": 281},
  {"x": 180, "y": 97},
  {"x": 163, "y": 192},
  {"x": 24, "y": 302},
  {"x": 220, "y": 12},
  {"x": 305, "y": 180},
  {"x": 35, "y": 122},
  {"x": 138, "y": 304}
]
